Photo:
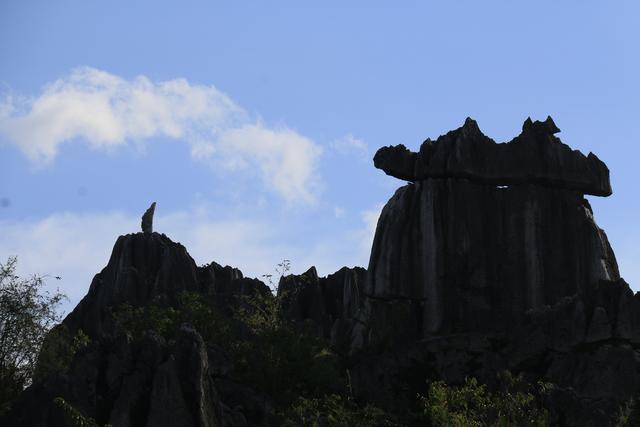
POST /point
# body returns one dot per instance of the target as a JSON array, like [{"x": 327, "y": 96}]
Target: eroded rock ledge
[{"x": 535, "y": 156}]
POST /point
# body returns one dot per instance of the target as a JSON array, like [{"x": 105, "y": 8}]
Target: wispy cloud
[
  {"x": 104, "y": 110},
  {"x": 286, "y": 158},
  {"x": 370, "y": 219},
  {"x": 349, "y": 144},
  {"x": 77, "y": 246},
  {"x": 69, "y": 245}
]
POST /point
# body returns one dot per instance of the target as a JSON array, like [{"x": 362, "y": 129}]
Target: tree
[{"x": 27, "y": 313}]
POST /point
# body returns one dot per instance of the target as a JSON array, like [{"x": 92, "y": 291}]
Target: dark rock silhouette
[
  {"x": 462, "y": 256},
  {"x": 153, "y": 382},
  {"x": 489, "y": 260},
  {"x": 147, "y": 219},
  {"x": 143, "y": 267},
  {"x": 328, "y": 304},
  {"x": 535, "y": 156}
]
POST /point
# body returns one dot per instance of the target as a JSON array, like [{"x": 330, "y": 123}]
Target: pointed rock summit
[
  {"x": 147, "y": 219},
  {"x": 488, "y": 260}
]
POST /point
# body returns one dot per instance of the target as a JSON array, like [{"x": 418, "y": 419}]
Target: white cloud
[
  {"x": 69, "y": 245},
  {"x": 370, "y": 219},
  {"x": 106, "y": 111},
  {"x": 348, "y": 144},
  {"x": 286, "y": 159},
  {"x": 338, "y": 212},
  {"x": 77, "y": 246}
]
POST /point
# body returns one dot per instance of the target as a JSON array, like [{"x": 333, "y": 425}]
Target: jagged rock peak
[
  {"x": 142, "y": 267},
  {"x": 147, "y": 219},
  {"x": 535, "y": 156}
]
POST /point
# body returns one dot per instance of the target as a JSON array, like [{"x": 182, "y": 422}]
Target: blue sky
[{"x": 253, "y": 124}]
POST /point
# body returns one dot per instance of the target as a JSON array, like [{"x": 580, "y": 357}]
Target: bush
[
  {"x": 58, "y": 350},
  {"x": 473, "y": 405},
  {"x": 279, "y": 359},
  {"x": 269, "y": 353},
  {"x": 192, "y": 308},
  {"x": 27, "y": 313},
  {"x": 629, "y": 414},
  {"x": 334, "y": 411}
]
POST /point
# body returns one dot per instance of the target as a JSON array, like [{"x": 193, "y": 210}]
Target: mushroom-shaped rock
[{"x": 535, "y": 156}]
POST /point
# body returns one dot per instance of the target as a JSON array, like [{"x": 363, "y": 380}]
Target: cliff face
[
  {"x": 151, "y": 380},
  {"x": 142, "y": 267},
  {"x": 488, "y": 260},
  {"x": 475, "y": 257},
  {"x": 488, "y": 231}
]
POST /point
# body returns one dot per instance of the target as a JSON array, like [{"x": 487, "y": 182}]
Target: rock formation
[
  {"x": 329, "y": 304},
  {"x": 487, "y": 231},
  {"x": 535, "y": 156},
  {"x": 151, "y": 382},
  {"x": 147, "y": 219},
  {"x": 488, "y": 260}
]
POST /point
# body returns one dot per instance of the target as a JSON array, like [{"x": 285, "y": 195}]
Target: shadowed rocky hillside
[{"x": 488, "y": 260}]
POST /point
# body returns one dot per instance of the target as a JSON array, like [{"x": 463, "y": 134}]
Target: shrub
[
  {"x": 191, "y": 308},
  {"x": 58, "y": 350},
  {"x": 629, "y": 414},
  {"x": 473, "y": 405},
  {"x": 334, "y": 411},
  {"x": 278, "y": 358},
  {"x": 27, "y": 313}
]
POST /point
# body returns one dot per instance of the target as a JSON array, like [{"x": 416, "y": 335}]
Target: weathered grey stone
[
  {"x": 535, "y": 156},
  {"x": 143, "y": 267},
  {"x": 497, "y": 240},
  {"x": 147, "y": 219},
  {"x": 474, "y": 257},
  {"x": 466, "y": 278},
  {"x": 183, "y": 392},
  {"x": 599, "y": 327}
]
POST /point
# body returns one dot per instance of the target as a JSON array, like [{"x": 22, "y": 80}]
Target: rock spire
[{"x": 147, "y": 219}]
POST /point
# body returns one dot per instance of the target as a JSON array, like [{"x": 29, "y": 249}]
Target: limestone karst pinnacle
[
  {"x": 534, "y": 156},
  {"x": 147, "y": 219},
  {"x": 489, "y": 260}
]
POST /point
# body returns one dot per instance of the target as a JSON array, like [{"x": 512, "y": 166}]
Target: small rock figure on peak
[{"x": 147, "y": 219}]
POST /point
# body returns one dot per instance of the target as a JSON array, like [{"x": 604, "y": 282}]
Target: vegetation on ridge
[
  {"x": 305, "y": 381},
  {"x": 27, "y": 313}
]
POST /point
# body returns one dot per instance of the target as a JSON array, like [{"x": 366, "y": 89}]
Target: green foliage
[
  {"x": 285, "y": 364},
  {"x": 281, "y": 269},
  {"x": 334, "y": 411},
  {"x": 27, "y": 312},
  {"x": 58, "y": 350},
  {"x": 261, "y": 313},
  {"x": 269, "y": 353},
  {"x": 305, "y": 380},
  {"x": 473, "y": 405},
  {"x": 73, "y": 416},
  {"x": 136, "y": 321},
  {"x": 629, "y": 414},
  {"x": 279, "y": 359},
  {"x": 192, "y": 308}
]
